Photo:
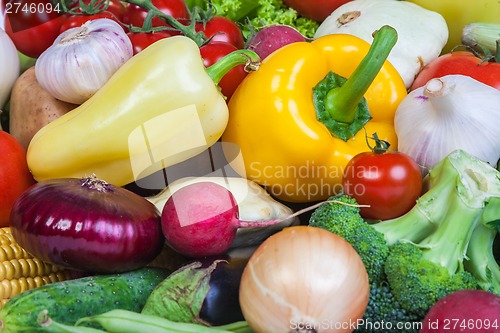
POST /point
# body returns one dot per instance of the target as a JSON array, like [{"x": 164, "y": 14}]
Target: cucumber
[{"x": 70, "y": 300}]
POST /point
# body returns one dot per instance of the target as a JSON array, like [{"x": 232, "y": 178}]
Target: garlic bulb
[
  {"x": 422, "y": 33},
  {"x": 82, "y": 59},
  {"x": 449, "y": 113}
]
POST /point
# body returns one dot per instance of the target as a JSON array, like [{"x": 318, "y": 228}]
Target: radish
[
  {"x": 269, "y": 39},
  {"x": 464, "y": 311},
  {"x": 201, "y": 219}
]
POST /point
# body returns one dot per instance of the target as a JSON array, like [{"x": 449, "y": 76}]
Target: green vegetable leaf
[
  {"x": 180, "y": 296},
  {"x": 196, "y": 3},
  {"x": 259, "y": 13},
  {"x": 342, "y": 130}
]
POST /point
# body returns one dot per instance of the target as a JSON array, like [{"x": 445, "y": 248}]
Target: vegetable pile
[
  {"x": 260, "y": 166},
  {"x": 443, "y": 244}
]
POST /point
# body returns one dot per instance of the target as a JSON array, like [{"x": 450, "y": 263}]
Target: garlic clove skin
[
  {"x": 449, "y": 113},
  {"x": 82, "y": 59}
]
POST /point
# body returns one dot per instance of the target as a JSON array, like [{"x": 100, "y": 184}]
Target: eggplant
[
  {"x": 210, "y": 290},
  {"x": 222, "y": 303}
]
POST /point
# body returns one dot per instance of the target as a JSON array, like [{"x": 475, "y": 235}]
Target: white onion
[
  {"x": 449, "y": 113},
  {"x": 304, "y": 277},
  {"x": 82, "y": 59}
]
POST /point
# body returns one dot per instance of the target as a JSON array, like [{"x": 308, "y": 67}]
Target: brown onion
[
  {"x": 87, "y": 224},
  {"x": 304, "y": 279}
]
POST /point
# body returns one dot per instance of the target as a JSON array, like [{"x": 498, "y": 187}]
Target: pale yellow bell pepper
[{"x": 158, "y": 109}]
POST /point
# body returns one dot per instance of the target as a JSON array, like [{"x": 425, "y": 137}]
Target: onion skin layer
[
  {"x": 103, "y": 229},
  {"x": 304, "y": 279}
]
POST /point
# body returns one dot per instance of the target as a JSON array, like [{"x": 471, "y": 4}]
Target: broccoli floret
[
  {"x": 384, "y": 308},
  {"x": 342, "y": 218},
  {"x": 418, "y": 283}
]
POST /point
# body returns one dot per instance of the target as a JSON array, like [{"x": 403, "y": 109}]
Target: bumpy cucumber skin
[{"x": 70, "y": 300}]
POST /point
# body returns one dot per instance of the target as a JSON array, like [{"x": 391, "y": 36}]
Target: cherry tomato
[
  {"x": 390, "y": 182},
  {"x": 222, "y": 29},
  {"x": 141, "y": 40},
  {"x": 214, "y": 51},
  {"x": 135, "y": 15},
  {"x": 74, "y": 21},
  {"x": 15, "y": 177},
  {"x": 460, "y": 62},
  {"x": 32, "y": 25},
  {"x": 317, "y": 10}
]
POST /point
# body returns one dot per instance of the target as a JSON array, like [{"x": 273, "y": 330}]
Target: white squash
[
  {"x": 422, "y": 33},
  {"x": 254, "y": 204}
]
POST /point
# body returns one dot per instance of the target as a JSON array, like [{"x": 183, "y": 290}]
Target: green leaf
[
  {"x": 342, "y": 130},
  {"x": 180, "y": 296}
]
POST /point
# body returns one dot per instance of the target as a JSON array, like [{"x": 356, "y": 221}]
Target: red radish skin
[
  {"x": 271, "y": 38},
  {"x": 468, "y": 311},
  {"x": 201, "y": 219}
]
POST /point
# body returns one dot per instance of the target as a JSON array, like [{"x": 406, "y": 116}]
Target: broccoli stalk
[
  {"x": 429, "y": 211},
  {"x": 422, "y": 269},
  {"x": 481, "y": 261}
]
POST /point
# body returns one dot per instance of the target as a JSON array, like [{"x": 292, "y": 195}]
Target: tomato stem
[
  {"x": 381, "y": 146},
  {"x": 186, "y": 30}
]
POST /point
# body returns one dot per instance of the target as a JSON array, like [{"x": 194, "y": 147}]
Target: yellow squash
[{"x": 274, "y": 123}]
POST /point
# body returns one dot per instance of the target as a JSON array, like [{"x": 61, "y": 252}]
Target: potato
[{"x": 31, "y": 108}]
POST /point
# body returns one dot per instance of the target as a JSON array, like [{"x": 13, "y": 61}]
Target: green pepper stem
[
  {"x": 186, "y": 30},
  {"x": 249, "y": 58},
  {"x": 342, "y": 102}
]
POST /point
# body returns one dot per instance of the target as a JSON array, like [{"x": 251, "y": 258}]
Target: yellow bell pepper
[
  {"x": 459, "y": 13},
  {"x": 273, "y": 125},
  {"x": 160, "y": 108}
]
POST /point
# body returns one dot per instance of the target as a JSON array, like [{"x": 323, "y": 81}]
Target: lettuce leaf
[{"x": 259, "y": 13}]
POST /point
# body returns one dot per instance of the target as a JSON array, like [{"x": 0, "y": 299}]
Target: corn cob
[{"x": 20, "y": 271}]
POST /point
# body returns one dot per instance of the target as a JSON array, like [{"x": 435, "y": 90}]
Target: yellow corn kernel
[{"x": 20, "y": 271}]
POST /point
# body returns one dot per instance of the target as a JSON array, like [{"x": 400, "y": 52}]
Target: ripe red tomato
[
  {"x": 115, "y": 7},
  {"x": 74, "y": 21},
  {"x": 317, "y": 10},
  {"x": 135, "y": 15},
  {"x": 222, "y": 29},
  {"x": 141, "y": 40},
  {"x": 214, "y": 51},
  {"x": 15, "y": 177},
  {"x": 33, "y": 25},
  {"x": 389, "y": 182},
  {"x": 460, "y": 62}
]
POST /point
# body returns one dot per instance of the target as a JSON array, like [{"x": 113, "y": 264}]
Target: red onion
[{"x": 87, "y": 224}]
